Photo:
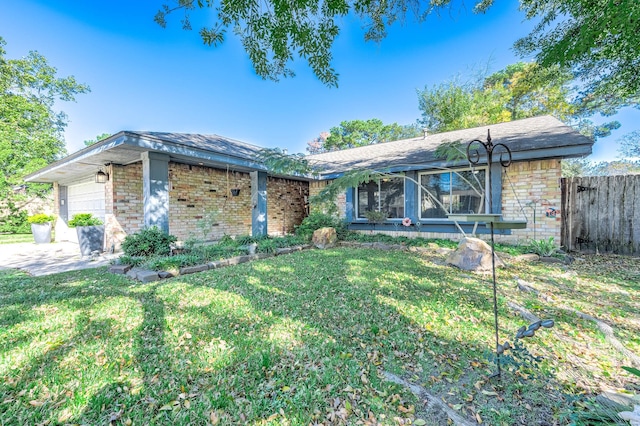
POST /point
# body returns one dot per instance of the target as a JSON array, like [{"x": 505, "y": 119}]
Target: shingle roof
[
  {"x": 531, "y": 134},
  {"x": 214, "y": 143}
]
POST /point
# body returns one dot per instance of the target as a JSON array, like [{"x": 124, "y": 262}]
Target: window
[
  {"x": 451, "y": 192},
  {"x": 385, "y": 195}
]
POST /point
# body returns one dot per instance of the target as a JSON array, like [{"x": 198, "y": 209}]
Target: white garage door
[{"x": 86, "y": 197}]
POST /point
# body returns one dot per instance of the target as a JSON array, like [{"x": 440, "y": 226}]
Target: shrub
[
  {"x": 317, "y": 220},
  {"x": 41, "y": 218},
  {"x": 148, "y": 242},
  {"x": 15, "y": 223},
  {"x": 266, "y": 245},
  {"x": 543, "y": 247},
  {"x": 375, "y": 216},
  {"x": 84, "y": 219}
]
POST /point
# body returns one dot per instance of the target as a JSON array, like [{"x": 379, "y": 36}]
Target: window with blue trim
[
  {"x": 452, "y": 192},
  {"x": 385, "y": 195}
]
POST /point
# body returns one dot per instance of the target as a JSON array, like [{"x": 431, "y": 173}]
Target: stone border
[{"x": 147, "y": 276}]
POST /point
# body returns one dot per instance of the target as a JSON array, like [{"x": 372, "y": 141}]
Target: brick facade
[
  {"x": 341, "y": 200},
  {"x": 525, "y": 185},
  {"x": 124, "y": 212},
  {"x": 532, "y": 184},
  {"x": 201, "y": 204},
  {"x": 286, "y": 204}
]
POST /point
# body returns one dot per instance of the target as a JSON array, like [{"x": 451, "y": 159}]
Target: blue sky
[{"x": 144, "y": 77}]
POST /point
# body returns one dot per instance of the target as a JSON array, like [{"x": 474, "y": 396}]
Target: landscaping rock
[
  {"x": 145, "y": 276},
  {"x": 324, "y": 238},
  {"x": 473, "y": 254},
  {"x": 285, "y": 250},
  {"x": 218, "y": 264},
  {"x": 193, "y": 269},
  {"x": 119, "y": 269},
  {"x": 165, "y": 274},
  {"x": 133, "y": 273}
]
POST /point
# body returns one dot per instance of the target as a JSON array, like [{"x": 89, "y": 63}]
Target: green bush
[
  {"x": 84, "y": 219},
  {"x": 543, "y": 247},
  {"x": 15, "y": 223},
  {"x": 266, "y": 245},
  {"x": 317, "y": 220},
  {"x": 41, "y": 218},
  {"x": 148, "y": 242}
]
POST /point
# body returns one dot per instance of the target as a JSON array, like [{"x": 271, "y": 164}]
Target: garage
[{"x": 86, "y": 197}]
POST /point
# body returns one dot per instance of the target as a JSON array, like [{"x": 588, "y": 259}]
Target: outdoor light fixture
[{"x": 101, "y": 177}]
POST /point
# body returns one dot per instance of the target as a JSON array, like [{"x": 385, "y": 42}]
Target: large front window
[
  {"x": 385, "y": 195},
  {"x": 451, "y": 192}
]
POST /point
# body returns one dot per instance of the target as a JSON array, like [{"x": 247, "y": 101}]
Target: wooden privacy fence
[{"x": 601, "y": 213}]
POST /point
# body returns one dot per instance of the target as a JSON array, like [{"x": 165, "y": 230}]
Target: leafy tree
[
  {"x": 274, "y": 32},
  {"x": 97, "y": 139},
  {"x": 597, "y": 39},
  {"x": 630, "y": 145},
  {"x": 316, "y": 146},
  {"x": 354, "y": 133},
  {"x": 31, "y": 131},
  {"x": 519, "y": 91}
]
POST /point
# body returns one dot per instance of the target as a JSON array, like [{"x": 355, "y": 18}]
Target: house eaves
[{"x": 126, "y": 147}]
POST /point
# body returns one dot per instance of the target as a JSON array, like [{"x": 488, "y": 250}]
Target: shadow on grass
[{"x": 289, "y": 333}]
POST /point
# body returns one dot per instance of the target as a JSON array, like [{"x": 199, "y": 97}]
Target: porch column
[
  {"x": 155, "y": 190},
  {"x": 259, "y": 203}
]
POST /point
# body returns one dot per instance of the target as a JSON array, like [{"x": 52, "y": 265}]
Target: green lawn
[
  {"x": 15, "y": 238},
  {"x": 305, "y": 338}
]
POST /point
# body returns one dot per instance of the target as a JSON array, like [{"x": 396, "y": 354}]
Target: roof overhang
[
  {"x": 574, "y": 151},
  {"x": 125, "y": 148}
]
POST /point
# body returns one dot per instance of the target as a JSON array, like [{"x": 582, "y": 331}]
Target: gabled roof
[
  {"x": 126, "y": 147},
  {"x": 528, "y": 139}
]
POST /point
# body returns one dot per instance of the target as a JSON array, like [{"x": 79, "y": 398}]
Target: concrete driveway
[{"x": 46, "y": 259}]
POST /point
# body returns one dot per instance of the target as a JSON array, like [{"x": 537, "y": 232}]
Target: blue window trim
[{"x": 412, "y": 207}]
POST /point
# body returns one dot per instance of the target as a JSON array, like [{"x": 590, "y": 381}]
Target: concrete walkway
[{"x": 46, "y": 259}]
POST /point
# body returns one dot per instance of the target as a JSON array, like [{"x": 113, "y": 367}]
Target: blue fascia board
[{"x": 446, "y": 227}]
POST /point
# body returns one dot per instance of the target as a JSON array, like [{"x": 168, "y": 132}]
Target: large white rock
[{"x": 473, "y": 254}]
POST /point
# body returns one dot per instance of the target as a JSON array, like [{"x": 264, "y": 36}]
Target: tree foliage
[
  {"x": 273, "y": 32},
  {"x": 520, "y": 90},
  {"x": 597, "y": 39},
  {"x": 31, "y": 131},
  {"x": 97, "y": 139},
  {"x": 354, "y": 133},
  {"x": 630, "y": 145}
]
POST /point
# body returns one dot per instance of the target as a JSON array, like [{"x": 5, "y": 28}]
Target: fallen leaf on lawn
[
  {"x": 213, "y": 417},
  {"x": 36, "y": 403},
  {"x": 187, "y": 404},
  {"x": 419, "y": 422},
  {"x": 478, "y": 418},
  {"x": 489, "y": 393}
]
